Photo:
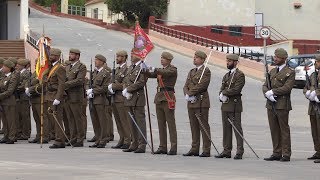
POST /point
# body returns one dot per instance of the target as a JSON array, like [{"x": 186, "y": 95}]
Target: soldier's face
[
  {"x": 279, "y": 61},
  {"x": 5, "y": 69},
  {"x": 231, "y": 64},
  {"x": 19, "y": 67},
  {"x": 197, "y": 61},
  {"x": 120, "y": 59},
  {"x": 72, "y": 56},
  {"x": 317, "y": 65},
  {"x": 134, "y": 59},
  {"x": 98, "y": 63},
  {"x": 165, "y": 62},
  {"x": 53, "y": 58}
]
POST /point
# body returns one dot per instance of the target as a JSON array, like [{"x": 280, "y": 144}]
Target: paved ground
[{"x": 28, "y": 161}]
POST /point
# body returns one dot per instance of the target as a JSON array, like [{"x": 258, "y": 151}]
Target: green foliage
[
  {"x": 47, "y": 3},
  {"x": 142, "y": 8}
]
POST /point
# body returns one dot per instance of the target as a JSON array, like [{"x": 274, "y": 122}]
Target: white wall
[
  {"x": 212, "y": 12},
  {"x": 102, "y": 12},
  {"x": 24, "y": 24},
  {"x": 13, "y": 20},
  {"x": 303, "y": 23}
]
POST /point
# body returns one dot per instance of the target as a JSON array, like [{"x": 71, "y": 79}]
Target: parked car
[{"x": 302, "y": 64}]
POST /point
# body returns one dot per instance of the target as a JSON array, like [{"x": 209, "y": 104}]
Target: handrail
[
  {"x": 219, "y": 46},
  {"x": 32, "y": 41}
]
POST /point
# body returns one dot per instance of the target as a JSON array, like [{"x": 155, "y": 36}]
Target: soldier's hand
[
  {"x": 316, "y": 99},
  {"x": 124, "y": 92},
  {"x": 308, "y": 94},
  {"x": 312, "y": 96},
  {"x": 271, "y": 98},
  {"x": 110, "y": 89},
  {"x": 89, "y": 91},
  {"x": 56, "y": 102},
  {"x": 269, "y": 93},
  {"x": 90, "y": 96},
  {"x": 186, "y": 97},
  {"x": 27, "y": 91}
]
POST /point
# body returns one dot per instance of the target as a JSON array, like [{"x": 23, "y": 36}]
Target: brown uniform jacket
[
  {"x": 169, "y": 77},
  {"x": 117, "y": 86},
  {"x": 193, "y": 88},
  {"x": 281, "y": 85},
  {"x": 23, "y": 80},
  {"x": 234, "y": 92},
  {"x": 313, "y": 79},
  {"x": 136, "y": 89},
  {"x": 8, "y": 86},
  {"x": 35, "y": 89},
  {"x": 75, "y": 82},
  {"x": 100, "y": 84},
  {"x": 55, "y": 83}
]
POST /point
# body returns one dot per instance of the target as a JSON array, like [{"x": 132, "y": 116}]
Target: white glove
[
  {"x": 27, "y": 91},
  {"x": 316, "y": 99},
  {"x": 124, "y": 92},
  {"x": 144, "y": 66},
  {"x": 271, "y": 98},
  {"x": 186, "y": 97},
  {"x": 269, "y": 93},
  {"x": 312, "y": 96},
  {"x": 56, "y": 102},
  {"x": 151, "y": 69},
  {"x": 89, "y": 91},
  {"x": 110, "y": 89},
  {"x": 308, "y": 94},
  {"x": 128, "y": 95},
  {"x": 192, "y": 99},
  {"x": 223, "y": 98},
  {"x": 90, "y": 96}
]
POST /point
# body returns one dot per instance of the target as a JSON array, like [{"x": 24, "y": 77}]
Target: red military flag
[
  {"x": 43, "y": 60},
  {"x": 142, "y": 43}
]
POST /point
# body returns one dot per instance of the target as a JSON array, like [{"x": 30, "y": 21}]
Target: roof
[{"x": 93, "y": 2}]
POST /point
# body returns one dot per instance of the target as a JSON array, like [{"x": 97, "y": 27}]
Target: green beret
[
  {"x": 1, "y": 60},
  {"x": 281, "y": 53},
  {"x": 14, "y": 60},
  {"x": 317, "y": 57},
  {"x": 55, "y": 51},
  {"x": 76, "y": 51},
  {"x": 122, "y": 53},
  {"x": 23, "y": 62},
  {"x": 9, "y": 64},
  {"x": 233, "y": 57},
  {"x": 200, "y": 54},
  {"x": 101, "y": 57},
  {"x": 167, "y": 55}
]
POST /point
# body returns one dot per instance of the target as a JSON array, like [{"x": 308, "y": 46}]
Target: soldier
[
  {"x": 134, "y": 103},
  {"x": 109, "y": 109},
  {"x": 165, "y": 102},
  {"x": 8, "y": 85},
  {"x": 312, "y": 92},
  {"x": 118, "y": 108},
  {"x": 97, "y": 94},
  {"x": 196, "y": 93},
  {"x": 230, "y": 96},
  {"x": 66, "y": 113},
  {"x": 84, "y": 109},
  {"x": 34, "y": 91},
  {"x": 1, "y": 75},
  {"x": 278, "y": 106},
  {"x": 55, "y": 86},
  {"x": 23, "y": 104},
  {"x": 76, "y": 73}
]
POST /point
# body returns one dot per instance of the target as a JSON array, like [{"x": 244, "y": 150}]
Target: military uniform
[
  {"x": 118, "y": 108},
  {"x": 1, "y": 76},
  {"x": 109, "y": 109},
  {"x": 314, "y": 109},
  {"x": 23, "y": 104},
  {"x": 8, "y": 85},
  {"x": 135, "y": 103},
  {"x": 76, "y": 73},
  {"x": 101, "y": 79},
  {"x": 278, "y": 112},
  {"x": 55, "y": 86},
  {"x": 231, "y": 87},
  {"x": 200, "y": 106},
  {"x": 34, "y": 91},
  {"x": 165, "y": 114}
]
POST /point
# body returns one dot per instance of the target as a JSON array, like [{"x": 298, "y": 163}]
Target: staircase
[{"x": 12, "y": 48}]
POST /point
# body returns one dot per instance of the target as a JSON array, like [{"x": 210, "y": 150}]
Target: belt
[{"x": 165, "y": 89}]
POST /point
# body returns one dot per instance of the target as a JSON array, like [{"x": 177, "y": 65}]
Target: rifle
[
  {"x": 113, "y": 76},
  {"x": 90, "y": 86}
]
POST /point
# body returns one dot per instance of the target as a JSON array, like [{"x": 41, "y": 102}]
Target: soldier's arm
[
  {"x": 172, "y": 71},
  {"x": 11, "y": 88},
  {"x": 103, "y": 88},
  {"x": 61, "y": 74},
  {"x": 203, "y": 85},
  {"x": 138, "y": 85},
  {"x": 239, "y": 83},
  {"x": 117, "y": 86},
  {"x": 78, "y": 81},
  {"x": 185, "y": 87},
  {"x": 287, "y": 87},
  {"x": 150, "y": 74}
]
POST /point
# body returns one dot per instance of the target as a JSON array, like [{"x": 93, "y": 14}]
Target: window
[
  {"x": 95, "y": 13},
  {"x": 217, "y": 29},
  {"x": 235, "y": 31}
]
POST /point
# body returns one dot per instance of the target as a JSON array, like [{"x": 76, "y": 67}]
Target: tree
[{"x": 142, "y": 8}]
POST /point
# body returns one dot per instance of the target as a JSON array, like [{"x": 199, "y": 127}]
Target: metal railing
[
  {"x": 213, "y": 44},
  {"x": 32, "y": 41}
]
